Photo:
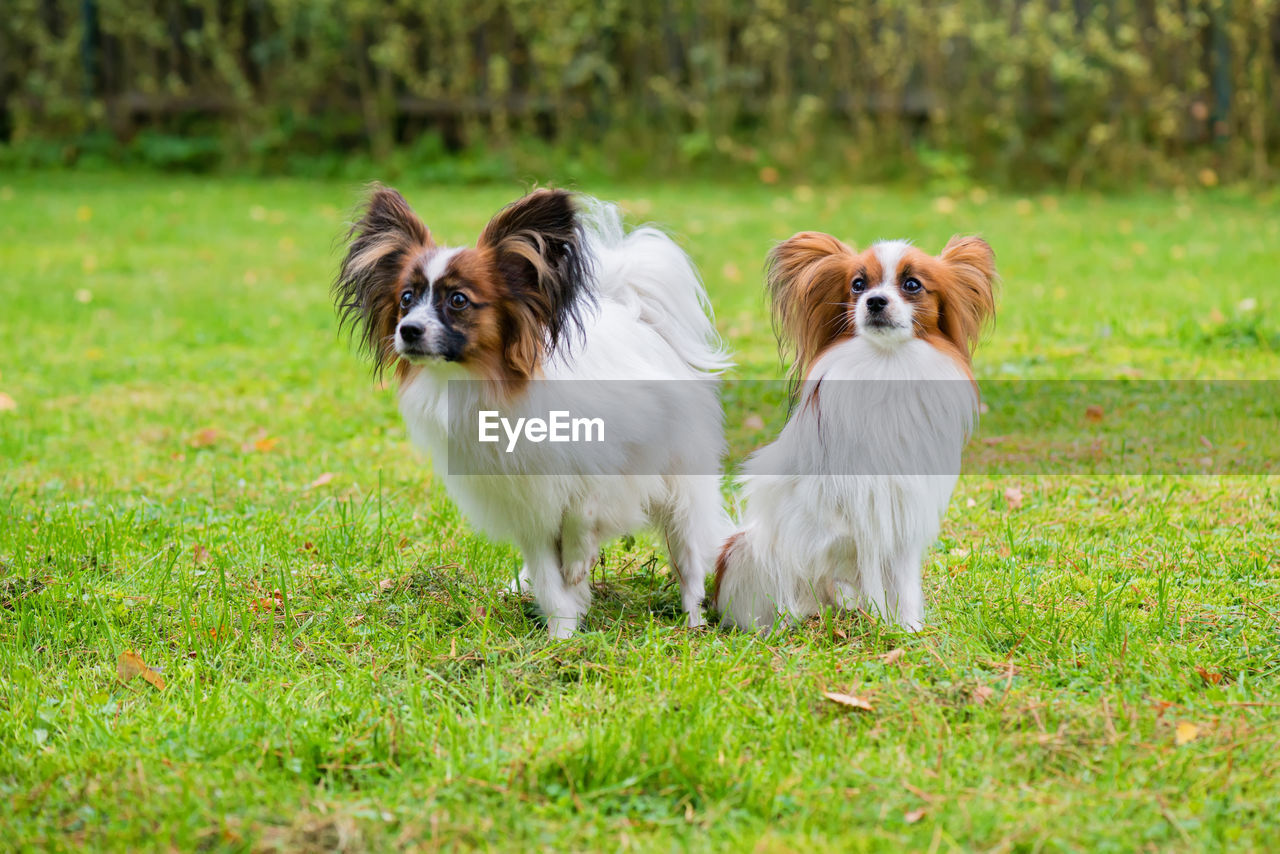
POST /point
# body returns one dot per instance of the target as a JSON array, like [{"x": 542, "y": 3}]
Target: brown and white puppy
[
  {"x": 840, "y": 509},
  {"x": 554, "y": 290}
]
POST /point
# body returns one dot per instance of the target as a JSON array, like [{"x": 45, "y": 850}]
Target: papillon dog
[
  {"x": 554, "y": 290},
  {"x": 839, "y": 510}
]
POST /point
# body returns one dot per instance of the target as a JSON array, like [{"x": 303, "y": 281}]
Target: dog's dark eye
[
  {"x": 858, "y": 284},
  {"x": 406, "y": 299},
  {"x": 912, "y": 286},
  {"x": 458, "y": 301}
]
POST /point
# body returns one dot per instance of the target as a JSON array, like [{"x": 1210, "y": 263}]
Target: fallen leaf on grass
[
  {"x": 847, "y": 700},
  {"x": 982, "y": 693},
  {"x": 130, "y": 664},
  {"x": 753, "y": 422},
  {"x": 266, "y": 443},
  {"x": 204, "y": 438},
  {"x": 913, "y": 816},
  {"x": 386, "y": 584},
  {"x": 321, "y": 480},
  {"x": 1093, "y": 414},
  {"x": 1211, "y": 677},
  {"x": 7, "y": 404},
  {"x": 200, "y": 554},
  {"x": 1013, "y": 497},
  {"x": 893, "y": 656},
  {"x": 1185, "y": 732}
]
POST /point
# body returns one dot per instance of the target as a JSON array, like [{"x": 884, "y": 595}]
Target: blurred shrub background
[{"x": 1074, "y": 92}]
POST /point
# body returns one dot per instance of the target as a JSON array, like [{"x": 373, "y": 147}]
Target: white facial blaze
[
  {"x": 893, "y": 323},
  {"x": 437, "y": 264},
  {"x": 424, "y": 313}
]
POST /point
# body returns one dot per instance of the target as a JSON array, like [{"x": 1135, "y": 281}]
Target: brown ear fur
[
  {"x": 537, "y": 244},
  {"x": 808, "y": 280},
  {"x": 383, "y": 240},
  {"x": 968, "y": 302}
]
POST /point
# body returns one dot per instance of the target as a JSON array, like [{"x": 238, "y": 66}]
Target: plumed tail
[
  {"x": 646, "y": 271},
  {"x": 742, "y": 591}
]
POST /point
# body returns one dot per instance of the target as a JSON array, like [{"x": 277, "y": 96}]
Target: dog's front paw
[{"x": 561, "y": 628}]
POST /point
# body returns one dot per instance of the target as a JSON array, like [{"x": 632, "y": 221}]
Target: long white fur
[
  {"x": 650, "y": 326},
  {"x": 840, "y": 509}
]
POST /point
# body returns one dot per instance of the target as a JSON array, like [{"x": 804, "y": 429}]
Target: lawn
[{"x": 197, "y": 468}]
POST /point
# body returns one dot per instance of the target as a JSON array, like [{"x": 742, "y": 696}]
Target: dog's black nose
[
  {"x": 411, "y": 332},
  {"x": 875, "y": 305}
]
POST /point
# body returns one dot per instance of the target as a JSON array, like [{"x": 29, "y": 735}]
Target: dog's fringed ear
[
  {"x": 969, "y": 301},
  {"x": 808, "y": 288},
  {"x": 387, "y": 235},
  {"x": 538, "y": 246}
]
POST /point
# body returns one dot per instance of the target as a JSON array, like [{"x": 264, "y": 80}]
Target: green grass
[{"x": 178, "y": 391}]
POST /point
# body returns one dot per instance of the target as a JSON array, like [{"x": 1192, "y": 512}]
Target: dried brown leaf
[
  {"x": 1013, "y": 497},
  {"x": 1185, "y": 732},
  {"x": 130, "y": 665},
  {"x": 893, "y": 656},
  {"x": 1211, "y": 677},
  {"x": 913, "y": 816},
  {"x": 321, "y": 480},
  {"x": 204, "y": 438},
  {"x": 1093, "y": 414},
  {"x": 848, "y": 700}
]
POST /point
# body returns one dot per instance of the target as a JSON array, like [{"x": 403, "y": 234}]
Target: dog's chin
[
  {"x": 885, "y": 331},
  {"x": 419, "y": 357}
]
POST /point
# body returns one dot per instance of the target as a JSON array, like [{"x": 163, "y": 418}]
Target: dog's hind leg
[
  {"x": 579, "y": 545},
  {"x": 905, "y": 598},
  {"x": 695, "y": 525}
]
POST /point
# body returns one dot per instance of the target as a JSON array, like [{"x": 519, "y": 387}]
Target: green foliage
[{"x": 1022, "y": 90}]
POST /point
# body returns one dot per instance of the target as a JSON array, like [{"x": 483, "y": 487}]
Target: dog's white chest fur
[{"x": 840, "y": 509}]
